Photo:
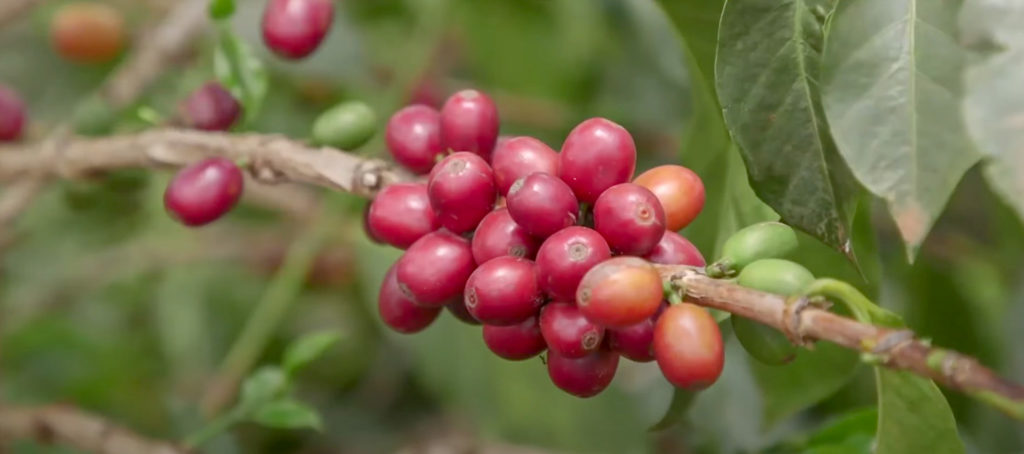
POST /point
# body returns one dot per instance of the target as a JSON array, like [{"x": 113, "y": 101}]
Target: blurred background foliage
[{"x": 107, "y": 303}]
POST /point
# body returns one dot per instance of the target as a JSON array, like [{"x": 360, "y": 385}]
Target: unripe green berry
[
  {"x": 781, "y": 277},
  {"x": 759, "y": 241},
  {"x": 348, "y": 125}
]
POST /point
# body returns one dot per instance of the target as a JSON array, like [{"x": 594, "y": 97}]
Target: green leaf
[
  {"x": 240, "y": 71},
  {"x": 308, "y": 348},
  {"x": 221, "y": 9},
  {"x": 913, "y": 416},
  {"x": 810, "y": 378},
  {"x": 849, "y": 429},
  {"x": 287, "y": 414},
  {"x": 995, "y": 97},
  {"x": 766, "y": 75},
  {"x": 892, "y": 93},
  {"x": 262, "y": 386}
]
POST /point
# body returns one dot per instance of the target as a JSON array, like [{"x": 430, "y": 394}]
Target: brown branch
[
  {"x": 75, "y": 428},
  {"x": 270, "y": 158},
  {"x": 153, "y": 55},
  {"x": 895, "y": 348}
]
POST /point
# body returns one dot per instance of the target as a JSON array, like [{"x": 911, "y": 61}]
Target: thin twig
[
  {"x": 75, "y": 428},
  {"x": 895, "y": 348},
  {"x": 270, "y": 158}
]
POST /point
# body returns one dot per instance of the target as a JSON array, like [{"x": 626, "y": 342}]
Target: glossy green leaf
[
  {"x": 994, "y": 105},
  {"x": 682, "y": 400},
  {"x": 892, "y": 91},
  {"x": 913, "y": 416},
  {"x": 766, "y": 74},
  {"x": 852, "y": 428},
  {"x": 308, "y": 348},
  {"x": 810, "y": 378},
  {"x": 287, "y": 414},
  {"x": 263, "y": 385},
  {"x": 241, "y": 71}
]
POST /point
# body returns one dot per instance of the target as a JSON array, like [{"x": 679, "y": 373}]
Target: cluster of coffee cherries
[{"x": 549, "y": 251}]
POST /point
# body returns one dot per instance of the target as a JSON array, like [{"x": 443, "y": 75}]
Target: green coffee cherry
[
  {"x": 347, "y": 125},
  {"x": 781, "y": 277},
  {"x": 759, "y": 241}
]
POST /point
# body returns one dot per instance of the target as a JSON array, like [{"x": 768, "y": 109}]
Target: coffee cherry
[
  {"x": 674, "y": 249},
  {"x": 461, "y": 189},
  {"x": 620, "y": 292},
  {"x": 754, "y": 242},
  {"x": 435, "y": 268},
  {"x": 583, "y": 377},
  {"x": 597, "y": 155},
  {"x": 503, "y": 291},
  {"x": 202, "y": 192},
  {"x": 457, "y": 307},
  {"x": 542, "y": 204},
  {"x": 688, "y": 346},
  {"x": 366, "y": 225},
  {"x": 568, "y": 332},
  {"x": 210, "y": 108},
  {"x": 87, "y": 32},
  {"x": 12, "y": 115},
  {"x": 469, "y": 122},
  {"x": 781, "y": 277},
  {"x": 515, "y": 342},
  {"x": 498, "y": 235},
  {"x": 630, "y": 217},
  {"x": 565, "y": 257},
  {"x": 680, "y": 191},
  {"x": 398, "y": 311},
  {"x": 414, "y": 137},
  {"x": 400, "y": 214},
  {"x": 518, "y": 157},
  {"x": 635, "y": 342},
  {"x": 293, "y": 29},
  {"x": 348, "y": 125}
]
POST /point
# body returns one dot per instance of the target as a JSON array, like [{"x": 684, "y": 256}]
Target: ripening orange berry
[{"x": 88, "y": 32}]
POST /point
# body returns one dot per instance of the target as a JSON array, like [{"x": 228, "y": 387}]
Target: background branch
[{"x": 69, "y": 426}]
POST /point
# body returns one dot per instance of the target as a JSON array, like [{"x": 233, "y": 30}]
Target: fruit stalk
[{"x": 893, "y": 348}]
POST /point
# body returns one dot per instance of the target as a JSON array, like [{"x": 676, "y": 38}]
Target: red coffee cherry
[
  {"x": 518, "y": 157},
  {"x": 635, "y": 342},
  {"x": 461, "y": 189},
  {"x": 210, "y": 108},
  {"x": 565, "y": 257},
  {"x": 567, "y": 332},
  {"x": 503, "y": 291},
  {"x": 597, "y": 155},
  {"x": 435, "y": 268},
  {"x": 688, "y": 346},
  {"x": 399, "y": 312},
  {"x": 630, "y": 218},
  {"x": 87, "y": 32},
  {"x": 515, "y": 342},
  {"x": 293, "y": 29},
  {"x": 542, "y": 204},
  {"x": 680, "y": 191},
  {"x": 414, "y": 137},
  {"x": 674, "y": 249},
  {"x": 583, "y": 377},
  {"x": 12, "y": 115},
  {"x": 457, "y": 307},
  {"x": 401, "y": 213},
  {"x": 203, "y": 192},
  {"x": 620, "y": 292},
  {"x": 498, "y": 235},
  {"x": 469, "y": 122}
]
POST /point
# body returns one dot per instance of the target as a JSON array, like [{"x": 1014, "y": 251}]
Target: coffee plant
[{"x": 697, "y": 226}]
